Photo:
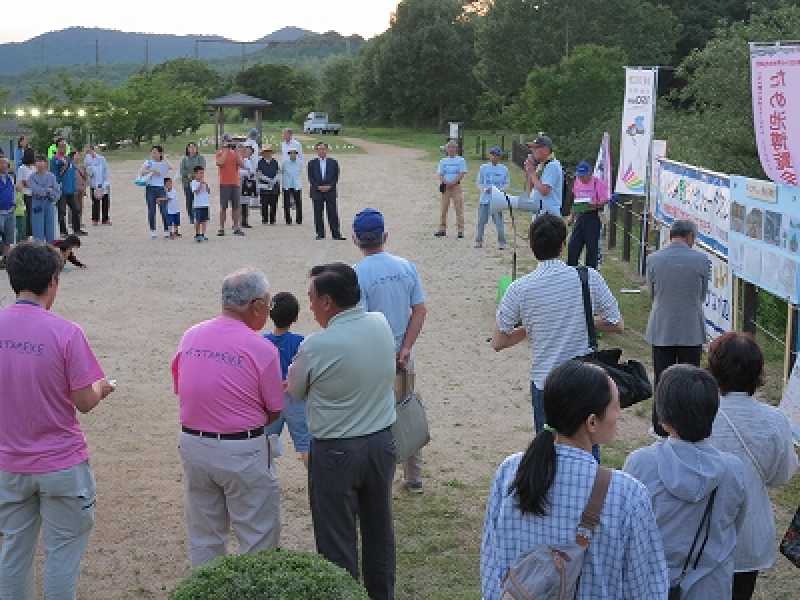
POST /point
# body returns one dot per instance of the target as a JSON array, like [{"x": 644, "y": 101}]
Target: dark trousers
[
  {"x": 69, "y": 201},
  {"x": 269, "y": 207},
  {"x": 744, "y": 585},
  {"x": 152, "y": 194},
  {"x": 28, "y": 208},
  {"x": 325, "y": 202},
  {"x": 585, "y": 233},
  {"x": 349, "y": 479},
  {"x": 297, "y": 196},
  {"x": 103, "y": 203},
  {"x": 187, "y": 191},
  {"x": 663, "y": 358},
  {"x": 245, "y": 212}
]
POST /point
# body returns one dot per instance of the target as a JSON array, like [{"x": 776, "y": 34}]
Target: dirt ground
[{"x": 139, "y": 295}]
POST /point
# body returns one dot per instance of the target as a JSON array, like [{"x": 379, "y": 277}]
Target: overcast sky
[{"x": 240, "y": 20}]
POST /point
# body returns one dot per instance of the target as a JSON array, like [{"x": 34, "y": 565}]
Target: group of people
[
  {"x": 250, "y": 177},
  {"x": 237, "y": 387},
  {"x": 45, "y": 192},
  {"x": 544, "y": 185},
  {"x": 691, "y": 512}
]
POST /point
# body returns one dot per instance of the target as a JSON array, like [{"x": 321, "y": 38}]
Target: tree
[
  {"x": 286, "y": 87},
  {"x": 195, "y": 75},
  {"x": 336, "y": 85},
  {"x": 714, "y": 125}
]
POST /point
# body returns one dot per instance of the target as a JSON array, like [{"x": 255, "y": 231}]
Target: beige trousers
[
  {"x": 455, "y": 195},
  {"x": 229, "y": 483}
]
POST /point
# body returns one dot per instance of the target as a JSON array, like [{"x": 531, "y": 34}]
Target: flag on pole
[{"x": 602, "y": 166}]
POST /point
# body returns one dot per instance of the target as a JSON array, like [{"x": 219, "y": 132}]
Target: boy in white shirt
[
  {"x": 201, "y": 192},
  {"x": 173, "y": 209}
]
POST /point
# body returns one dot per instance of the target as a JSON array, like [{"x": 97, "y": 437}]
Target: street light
[
  {"x": 20, "y": 112},
  {"x": 81, "y": 112},
  {"x": 35, "y": 112}
]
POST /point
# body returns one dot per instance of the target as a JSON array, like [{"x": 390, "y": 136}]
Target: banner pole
[{"x": 644, "y": 234}]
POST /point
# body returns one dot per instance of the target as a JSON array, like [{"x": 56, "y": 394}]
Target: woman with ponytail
[{"x": 537, "y": 497}]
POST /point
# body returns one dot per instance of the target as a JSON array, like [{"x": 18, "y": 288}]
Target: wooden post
[
  {"x": 483, "y": 149},
  {"x": 218, "y": 127},
  {"x": 613, "y": 215},
  {"x": 477, "y": 145},
  {"x": 627, "y": 227},
  {"x": 503, "y": 143},
  {"x": 789, "y": 344},
  {"x": 749, "y": 307},
  {"x": 258, "y": 126}
]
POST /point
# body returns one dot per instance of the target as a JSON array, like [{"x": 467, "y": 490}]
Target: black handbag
[
  {"x": 630, "y": 376},
  {"x": 675, "y": 589},
  {"x": 790, "y": 544}
]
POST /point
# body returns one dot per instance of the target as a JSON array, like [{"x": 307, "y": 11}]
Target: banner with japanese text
[
  {"x": 637, "y": 131},
  {"x": 690, "y": 193},
  {"x": 775, "y": 71}
]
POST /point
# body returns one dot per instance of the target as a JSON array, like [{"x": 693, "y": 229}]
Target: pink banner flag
[{"x": 776, "y": 109}]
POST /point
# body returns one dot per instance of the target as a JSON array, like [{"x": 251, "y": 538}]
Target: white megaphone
[{"x": 500, "y": 201}]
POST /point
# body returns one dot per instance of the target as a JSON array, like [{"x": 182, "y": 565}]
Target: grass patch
[{"x": 438, "y": 542}]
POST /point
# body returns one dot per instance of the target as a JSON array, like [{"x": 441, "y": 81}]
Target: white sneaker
[
  {"x": 501, "y": 246},
  {"x": 153, "y": 235},
  {"x": 478, "y": 244},
  {"x": 166, "y": 234}
]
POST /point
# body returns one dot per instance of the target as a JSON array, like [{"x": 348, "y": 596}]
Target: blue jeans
[
  {"x": 294, "y": 416},
  {"x": 43, "y": 219},
  {"x": 483, "y": 219},
  {"x": 151, "y": 193},
  {"x": 537, "y": 400}
]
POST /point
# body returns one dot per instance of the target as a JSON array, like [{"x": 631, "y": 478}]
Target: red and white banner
[{"x": 775, "y": 73}]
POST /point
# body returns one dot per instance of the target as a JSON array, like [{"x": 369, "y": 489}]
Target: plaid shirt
[{"x": 625, "y": 559}]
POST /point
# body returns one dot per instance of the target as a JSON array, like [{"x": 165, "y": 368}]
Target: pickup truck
[{"x": 317, "y": 122}]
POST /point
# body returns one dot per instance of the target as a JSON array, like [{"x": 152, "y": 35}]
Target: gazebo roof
[{"x": 238, "y": 100}]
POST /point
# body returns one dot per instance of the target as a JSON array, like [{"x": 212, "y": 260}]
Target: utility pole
[
  {"x": 146, "y": 53},
  {"x": 96, "y": 57},
  {"x": 242, "y": 46},
  {"x": 197, "y": 49}
]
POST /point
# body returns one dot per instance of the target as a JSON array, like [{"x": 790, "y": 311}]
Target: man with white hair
[
  {"x": 229, "y": 386},
  {"x": 290, "y": 143},
  {"x": 451, "y": 170}
]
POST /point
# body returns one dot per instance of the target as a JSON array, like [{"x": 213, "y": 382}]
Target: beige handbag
[{"x": 410, "y": 430}]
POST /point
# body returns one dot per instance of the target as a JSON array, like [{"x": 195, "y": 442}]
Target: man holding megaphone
[
  {"x": 492, "y": 176},
  {"x": 545, "y": 176}
]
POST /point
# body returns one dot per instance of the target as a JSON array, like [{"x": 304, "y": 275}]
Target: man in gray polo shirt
[{"x": 345, "y": 374}]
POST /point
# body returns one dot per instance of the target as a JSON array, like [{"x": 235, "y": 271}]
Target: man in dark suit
[
  {"x": 323, "y": 175},
  {"x": 678, "y": 277}
]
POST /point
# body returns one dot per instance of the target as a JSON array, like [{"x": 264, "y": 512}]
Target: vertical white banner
[
  {"x": 658, "y": 152},
  {"x": 637, "y": 131},
  {"x": 602, "y": 166}
]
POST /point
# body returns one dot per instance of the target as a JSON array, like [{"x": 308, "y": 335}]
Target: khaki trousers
[
  {"x": 455, "y": 195},
  {"x": 61, "y": 504},
  {"x": 229, "y": 483}
]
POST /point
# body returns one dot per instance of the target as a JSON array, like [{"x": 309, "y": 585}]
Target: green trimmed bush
[{"x": 270, "y": 575}]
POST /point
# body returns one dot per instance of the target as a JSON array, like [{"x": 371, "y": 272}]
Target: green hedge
[{"x": 270, "y": 575}]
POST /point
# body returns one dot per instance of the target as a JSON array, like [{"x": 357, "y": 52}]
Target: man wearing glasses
[{"x": 229, "y": 386}]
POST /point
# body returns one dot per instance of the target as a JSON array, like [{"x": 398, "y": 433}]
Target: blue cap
[
  {"x": 583, "y": 168},
  {"x": 496, "y": 150},
  {"x": 368, "y": 225}
]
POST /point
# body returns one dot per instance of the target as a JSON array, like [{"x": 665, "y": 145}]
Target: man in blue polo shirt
[
  {"x": 545, "y": 176},
  {"x": 491, "y": 174},
  {"x": 451, "y": 170},
  {"x": 391, "y": 285}
]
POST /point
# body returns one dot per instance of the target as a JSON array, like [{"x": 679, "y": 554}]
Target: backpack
[{"x": 552, "y": 572}]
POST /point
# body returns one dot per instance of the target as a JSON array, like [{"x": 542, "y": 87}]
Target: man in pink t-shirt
[
  {"x": 591, "y": 195},
  {"x": 48, "y": 371},
  {"x": 229, "y": 385}
]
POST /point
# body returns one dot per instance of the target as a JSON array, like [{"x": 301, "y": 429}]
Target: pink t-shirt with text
[
  {"x": 43, "y": 358},
  {"x": 226, "y": 377},
  {"x": 592, "y": 195}
]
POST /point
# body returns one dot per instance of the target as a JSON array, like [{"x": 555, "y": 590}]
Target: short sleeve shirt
[
  {"x": 226, "y": 377},
  {"x": 390, "y": 285},
  {"x": 200, "y": 191},
  {"x": 553, "y": 176},
  {"x": 43, "y": 358},
  {"x": 162, "y": 168},
  {"x": 452, "y": 168},
  {"x": 229, "y": 171}
]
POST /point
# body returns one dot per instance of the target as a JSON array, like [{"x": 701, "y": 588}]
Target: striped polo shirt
[{"x": 549, "y": 303}]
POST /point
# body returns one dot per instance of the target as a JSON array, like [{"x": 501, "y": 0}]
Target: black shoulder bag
[
  {"x": 630, "y": 376},
  {"x": 675, "y": 589}
]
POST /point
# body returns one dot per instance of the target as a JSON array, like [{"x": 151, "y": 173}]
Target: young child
[
  {"x": 67, "y": 247},
  {"x": 285, "y": 309},
  {"x": 19, "y": 213},
  {"x": 173, "y": 209},
  {"x": 201, "y": 191}
]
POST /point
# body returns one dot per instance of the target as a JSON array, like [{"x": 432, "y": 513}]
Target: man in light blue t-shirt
[
  {"x": 451, "y": 170},
  {"x": 545, "y": 176},
  {"x": 491, "y": 174},
  {"x": 391, "y": 285}
]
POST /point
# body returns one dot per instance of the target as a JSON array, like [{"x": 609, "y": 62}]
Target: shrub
[{"x": 270, "y": 575}]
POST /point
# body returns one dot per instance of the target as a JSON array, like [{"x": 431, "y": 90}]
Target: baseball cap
[
  {"x": 583, "y": 168},
  {"x": 542, "y": 140},
  {"x": 496, "y": 150},
  {"x": 368, "y": 225},
  {"x": 226, "y": 137}
]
